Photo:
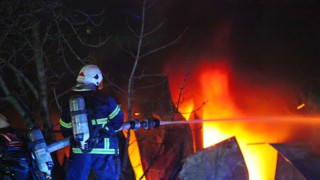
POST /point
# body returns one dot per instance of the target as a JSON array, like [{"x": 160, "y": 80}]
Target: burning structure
[
  {"x": 217, "y": 91},
  {"x": 211, "y": 87},
  {"x": 259, "y": 128},
  {"x": 254, "y": 135}
]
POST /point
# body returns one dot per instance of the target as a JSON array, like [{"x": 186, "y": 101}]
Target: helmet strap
[
  {"x": 84, "y": 87},
  {"x": 100, "y": 85}
]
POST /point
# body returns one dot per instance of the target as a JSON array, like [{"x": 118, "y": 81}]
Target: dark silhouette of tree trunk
[
  {"x": 40, "y": 44},
  {"x": 37, "y": 39},
  {"x": 140, "y": 53}
]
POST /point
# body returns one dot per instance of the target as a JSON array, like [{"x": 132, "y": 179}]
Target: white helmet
[
  {"x": 3, "y": 121},
  {"x": 90, "y": 74}
]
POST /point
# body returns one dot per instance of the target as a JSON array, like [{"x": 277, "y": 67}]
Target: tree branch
[
  {"x": 15, "y": 104},
  {"x": 101, "y": 43},
  {"x": 26, "y": 80},
  {"x": 164, "y": 46}
]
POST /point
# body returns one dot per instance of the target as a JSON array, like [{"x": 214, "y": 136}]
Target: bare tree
[
  {"x": 37, "y": 50},
  {"x": 139, "y": 50},
  {"x": 40, "y": 42}
]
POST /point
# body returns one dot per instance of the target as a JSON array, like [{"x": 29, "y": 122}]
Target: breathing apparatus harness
[{"x": 85, "y": 134}]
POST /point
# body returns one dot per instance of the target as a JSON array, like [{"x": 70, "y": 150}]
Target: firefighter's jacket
[
  {"x": 104, "y": 118},
  {"x": 15, "y": 160}
]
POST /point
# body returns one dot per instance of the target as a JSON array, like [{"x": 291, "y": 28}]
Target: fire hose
[
  {"x": 134, "y": 125},
  {"x": 44, "y": 150},
  {"x": 41, "y": 151}
]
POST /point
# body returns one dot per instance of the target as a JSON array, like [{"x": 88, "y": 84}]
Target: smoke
[{"x": 215, "y": 77}]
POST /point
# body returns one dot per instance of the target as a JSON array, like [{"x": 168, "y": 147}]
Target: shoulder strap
[{"x": 94, "y": 132}]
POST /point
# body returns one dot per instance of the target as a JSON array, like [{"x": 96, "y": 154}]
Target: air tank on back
[{"x": 79, "y": 120}]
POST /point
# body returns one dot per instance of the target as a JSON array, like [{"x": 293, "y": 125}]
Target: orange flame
[
  {"x": 212, "y": 85},
  {"x": 134, "y": 154},
  {"x": 186, "y": 109},
  {"x": 261, "y": 160},
  {"x": 215, "y": 87}
]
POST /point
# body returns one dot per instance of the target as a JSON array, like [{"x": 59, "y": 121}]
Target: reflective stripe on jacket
[
  {"x": 104, "y": 115},
  {"x": 101, "y": 121},
  {"x": 102, "y": 150}
]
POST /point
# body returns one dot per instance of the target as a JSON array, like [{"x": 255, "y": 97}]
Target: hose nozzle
[{"x": 150, "y": 123}]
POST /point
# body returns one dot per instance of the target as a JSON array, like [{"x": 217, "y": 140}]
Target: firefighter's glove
[{"x": 107, "y": 131}]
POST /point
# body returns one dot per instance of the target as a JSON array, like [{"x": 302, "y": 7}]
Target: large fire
[{"x": 211, "y": 84}]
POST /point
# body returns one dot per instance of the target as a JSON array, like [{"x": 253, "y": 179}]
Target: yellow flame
[
  {"x": 186, "y": 109},
  {"x": 260, "y": 159},
  {"x": 300, "y": 106},
  {"x": 134, "y": 154},
  {"x": 212, "y": 87}
]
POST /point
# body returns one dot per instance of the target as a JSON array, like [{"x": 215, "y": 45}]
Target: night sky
[
  {"x": 268, "y": 45},
  {"x": 279, "y": 40},
  {"x": 264, "y": 41},
  {"x": 276, "y": 39}
]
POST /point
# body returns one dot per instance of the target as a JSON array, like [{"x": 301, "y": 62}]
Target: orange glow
[
  {"x": 300, "y": 106},
  {"x": 186, "y": 109},
  {"x": 134, "y": 154},
  {"x": 213, "y": 87},
  {"x": 260, "y": 159}
]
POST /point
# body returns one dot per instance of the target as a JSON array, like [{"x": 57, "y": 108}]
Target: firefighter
[
  {"x": 99, "y": 152},
  {"x": 15, "y": 159}
]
